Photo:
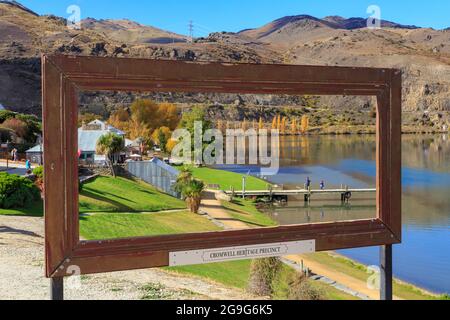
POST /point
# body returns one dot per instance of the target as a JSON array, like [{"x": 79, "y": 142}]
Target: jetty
[{"x": 274, "y": 195}]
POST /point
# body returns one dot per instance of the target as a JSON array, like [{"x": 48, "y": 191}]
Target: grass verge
[{"x": 35, "y": 209}]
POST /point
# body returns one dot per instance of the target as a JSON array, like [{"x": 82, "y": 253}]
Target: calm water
[{"x": 424, "y": 256}]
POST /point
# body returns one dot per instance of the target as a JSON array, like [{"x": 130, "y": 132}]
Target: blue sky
[{"x": 234, "y": 15}]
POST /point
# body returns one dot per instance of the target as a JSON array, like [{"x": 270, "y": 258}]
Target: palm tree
[
  {"x": 191, "y": 189},
  {"x": 193, "y": 194},
  {"x": 109, "y": 145}
]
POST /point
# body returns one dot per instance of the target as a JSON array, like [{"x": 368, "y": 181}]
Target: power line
[{"x": 191, "y": 31}]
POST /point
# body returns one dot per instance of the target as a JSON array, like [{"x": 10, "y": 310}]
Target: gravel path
[{"x": 22, "y": 270}]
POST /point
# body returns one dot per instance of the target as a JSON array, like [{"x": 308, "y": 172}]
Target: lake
[{"x": 423, "y": 258}]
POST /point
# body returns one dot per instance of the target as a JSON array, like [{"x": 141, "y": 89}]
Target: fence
[{"x": 156, "y": 173}]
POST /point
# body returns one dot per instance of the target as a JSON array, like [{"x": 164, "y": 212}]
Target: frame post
[
  {"x": 386, "y": 273},
  {"x": 57, "y": 289}
]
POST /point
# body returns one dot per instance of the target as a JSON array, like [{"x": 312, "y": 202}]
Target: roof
[
  {"x": 35, "y": 149},
  {"x": 108, "y": 127},
  {"x": 87, "y": 139},
  {"x": 165, "y": 166}
]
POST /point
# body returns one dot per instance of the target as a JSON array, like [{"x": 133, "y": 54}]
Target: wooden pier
[{"x": 282, "y": 195}]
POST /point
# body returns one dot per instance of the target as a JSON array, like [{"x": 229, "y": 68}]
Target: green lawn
[
  {"x": 227, "y": 179},
  {"x": 232, "y": 274},
  {"x": 246, "y": 211},
  {"x": 123, "y": 225},
  {"x": 107, "y": 194}
]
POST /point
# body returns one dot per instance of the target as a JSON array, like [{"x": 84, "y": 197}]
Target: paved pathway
[{"x": 216, "y": 211}]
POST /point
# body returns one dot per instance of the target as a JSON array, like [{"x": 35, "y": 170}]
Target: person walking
[
  {"x": 28, "y": 166},
  {"x": 322, "y": 185},
  {"x": 14, "y": 155}
]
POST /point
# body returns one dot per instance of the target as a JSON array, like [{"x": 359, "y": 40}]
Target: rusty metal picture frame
[{"x": 64, "y": 76}]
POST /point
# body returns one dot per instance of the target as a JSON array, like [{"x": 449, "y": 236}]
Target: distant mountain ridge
[
  {"x": 423, "y": 54},
  {"x": 310, "y": 22}
]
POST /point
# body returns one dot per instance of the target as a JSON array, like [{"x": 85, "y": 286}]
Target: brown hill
[
  {"x": 130, "y": 32},
  {"x": 423, "y": 54}
]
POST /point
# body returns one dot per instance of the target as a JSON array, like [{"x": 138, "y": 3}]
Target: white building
[{"x": 88, "y": 135}]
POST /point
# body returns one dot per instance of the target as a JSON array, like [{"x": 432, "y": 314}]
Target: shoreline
[{"x": 399, "y": 281}]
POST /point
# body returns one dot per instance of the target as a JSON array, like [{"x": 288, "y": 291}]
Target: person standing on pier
[
  {"x": 322, "y": 185},
  {"x": 308, "y": 183}
]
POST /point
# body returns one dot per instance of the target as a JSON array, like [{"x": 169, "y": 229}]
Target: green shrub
[
  {"x": 16, "y": 192},
  {"x": 39, "y": 172},
  {"x": 262, "y": 274}
]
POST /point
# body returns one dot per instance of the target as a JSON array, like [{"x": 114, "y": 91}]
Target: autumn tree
[
  {"x": 170, "y": 115},
  {"x": 261, "y": 123},
  {"x": 161, "y": 137},
  {"x": 18, "y": 126},
  {"x": 137, "y": 130},
  {"x": 279, "y": 122},
  {"x": 146, "y": 113},
  {"x": 305, "y": 124},
  {"x": 120, "y": 119},
  {"x": 294, "y": 126},
  {"x": 274, "y": 123},
  {"x": 283, "y": 125}
]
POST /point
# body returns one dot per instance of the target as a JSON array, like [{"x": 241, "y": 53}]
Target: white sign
[{"x": 185, "y": 258}]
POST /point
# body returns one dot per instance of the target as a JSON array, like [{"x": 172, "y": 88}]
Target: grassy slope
[
  {"x": 106, "y": 194},
  {"x": 246, "y": 211},
  {"x": 359, "y": 271},
  {"x": 121, "y": 225},
  {"x": 227, "y": 179}
]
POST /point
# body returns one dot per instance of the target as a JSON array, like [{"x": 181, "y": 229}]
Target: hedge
[{"x": 16, "y": 192}]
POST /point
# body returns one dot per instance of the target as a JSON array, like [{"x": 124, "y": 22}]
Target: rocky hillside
[{"x": 423, "y": 54}]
